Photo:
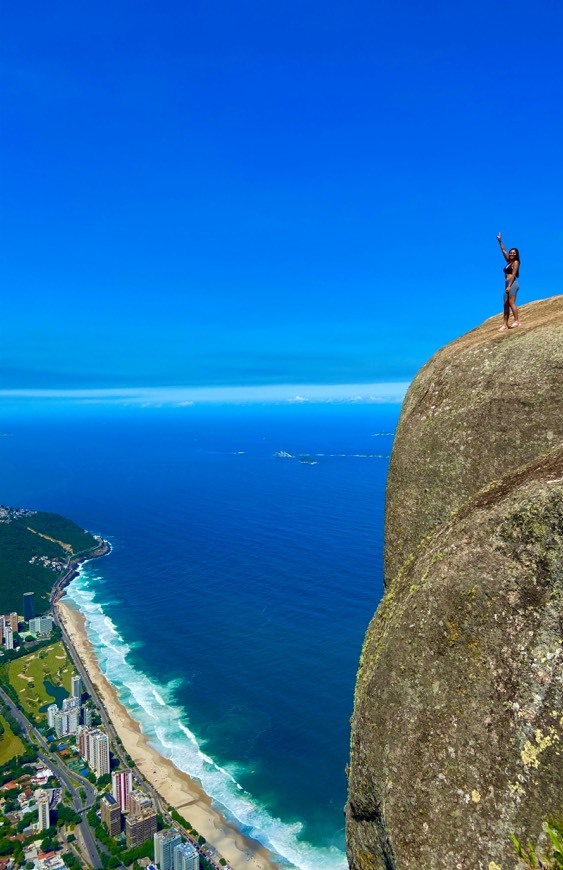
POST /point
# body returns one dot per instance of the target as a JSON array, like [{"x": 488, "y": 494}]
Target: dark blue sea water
[{"x": 231, "y": 611}]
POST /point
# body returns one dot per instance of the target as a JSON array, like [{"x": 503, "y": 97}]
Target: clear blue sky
[{"x": 252, "y": 193}]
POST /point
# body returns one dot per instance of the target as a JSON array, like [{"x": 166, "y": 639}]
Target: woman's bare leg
[
  {"x": 514, "y": 308},
  {"x": 506, "y": 315}
]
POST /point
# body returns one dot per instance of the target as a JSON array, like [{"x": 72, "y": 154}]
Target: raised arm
[{"x": 503, "y": 249}]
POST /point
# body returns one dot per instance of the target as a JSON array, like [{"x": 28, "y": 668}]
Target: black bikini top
[{"x": 508, "y": 269}]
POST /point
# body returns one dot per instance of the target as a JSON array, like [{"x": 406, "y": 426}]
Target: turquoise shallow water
[{"x": 231, "y": 611}]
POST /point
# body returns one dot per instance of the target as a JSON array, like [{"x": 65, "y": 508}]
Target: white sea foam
[{"x": 164, "y": 722}]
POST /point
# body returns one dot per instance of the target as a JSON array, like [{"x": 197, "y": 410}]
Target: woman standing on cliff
[{"x": 511, "y": 286}]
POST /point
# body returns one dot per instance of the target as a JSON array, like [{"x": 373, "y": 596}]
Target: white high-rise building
[
  {"x": 66, "y": 722},
  {"x": 61, "y": 724},
  {"x": 76, "y": 687},
  {"x": 99, "y": 753},
  {"x": 164, "y": 844},
  {"x": 72, "y": 720},
  {"x": 94, "y": 748},
  {"x": 8, "y": 637},
  {"x": 41, "y": 625},
  {"x": 52, "y": 711},
  {"x": 186, "y": 857},
  {"x": 43, "y": 808}
]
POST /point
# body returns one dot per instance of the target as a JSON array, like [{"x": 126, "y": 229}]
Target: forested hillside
[{"x": 35, "y": 547}]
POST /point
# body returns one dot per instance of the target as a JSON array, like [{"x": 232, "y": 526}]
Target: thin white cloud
[{"x": 188, "y": 396}]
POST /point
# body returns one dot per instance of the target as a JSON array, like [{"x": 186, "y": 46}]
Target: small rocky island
[{"x": 457, "y": 732}]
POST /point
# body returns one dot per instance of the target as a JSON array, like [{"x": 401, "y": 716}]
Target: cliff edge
[{"x": 457, "y": 732}]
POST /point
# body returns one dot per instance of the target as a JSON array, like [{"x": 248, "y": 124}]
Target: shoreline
[
  {"x": 176, "y": 788},
  {"x": 73, "y": 569}
]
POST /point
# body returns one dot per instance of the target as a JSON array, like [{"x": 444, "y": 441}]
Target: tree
[
  {"x": 6, "y": 846},
  {"x": 67, "y": 816},
  {"x": 49, "y": 844},
  {"x": 27, "y": 819}
]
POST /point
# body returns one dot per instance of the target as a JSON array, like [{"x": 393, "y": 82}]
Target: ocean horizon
[{"x": 246, "y": 564}]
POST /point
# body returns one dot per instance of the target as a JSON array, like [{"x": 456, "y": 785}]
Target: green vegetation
[
  {"x": 67, "y": 816},
  {"x": 26, "y": 536},
  {"x": 182, "y": 821},
  {"x": 530, "y": 855},
  {"x": 49, "y": 843},
  {"x": 103, "y": 780},
  {"x": 27, "y": 675},
  {"x": 10, "y": 744},
  {"x": 119, "y": 854},
  {"x": 31, "y": 646},
  {"x": 64, "y": 531},
  {"x": 18, "y": 766},
  {"x": 203, "y": 862},
  {"x": 117, "y": 850},
  {"x": 17, "y": 769}
]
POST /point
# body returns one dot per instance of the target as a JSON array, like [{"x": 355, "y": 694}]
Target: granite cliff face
[{"x": 457, "y": 732}]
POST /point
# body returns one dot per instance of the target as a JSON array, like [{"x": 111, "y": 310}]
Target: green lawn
[
  {"x": 10, "y": 745},
  {"x": 28, "y": 673}
]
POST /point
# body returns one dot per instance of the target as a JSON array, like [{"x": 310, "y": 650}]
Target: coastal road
[
  {"x": 89, "y": 688},
  {"x": 161, "y": 806},
  {"x": 63, "y": 774},
  {"x": 106, "y": 721}
]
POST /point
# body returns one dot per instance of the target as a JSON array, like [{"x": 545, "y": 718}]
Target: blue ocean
[{"x": 246, "y": 564}]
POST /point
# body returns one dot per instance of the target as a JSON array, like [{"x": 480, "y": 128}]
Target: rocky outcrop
[{"x": 457, "y": 732}]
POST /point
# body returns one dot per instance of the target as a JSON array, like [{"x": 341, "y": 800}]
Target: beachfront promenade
[
  {"x": 103, "y": 727},
  {"x": 159, "y": 778},
  {"x": 160, "y": 804}
]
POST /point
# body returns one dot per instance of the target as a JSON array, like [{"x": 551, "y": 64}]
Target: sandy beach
[{"x": 175, "y": 787}]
